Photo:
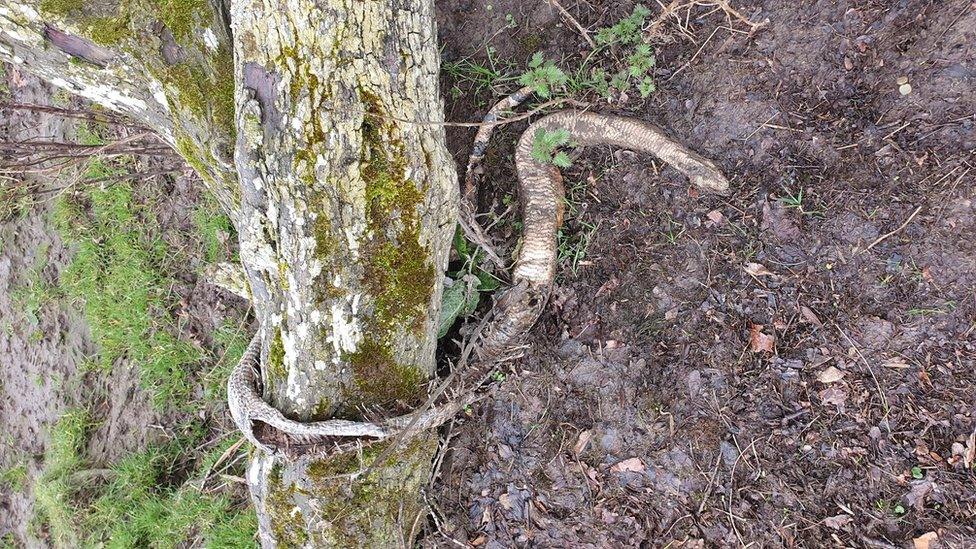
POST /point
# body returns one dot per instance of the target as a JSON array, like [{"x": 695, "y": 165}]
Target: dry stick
[
  {"x": 573, "y": 20},
  {"x": 900, "y": 228}
]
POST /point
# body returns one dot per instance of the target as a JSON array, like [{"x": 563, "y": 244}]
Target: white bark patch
[
  {"x": 160, "y": 97},
  {"x": 210, "y": 39},
  {"x": 346, "y": 333}
]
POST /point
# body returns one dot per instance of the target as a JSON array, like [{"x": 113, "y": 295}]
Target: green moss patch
[{"x": 398, "y": 271}]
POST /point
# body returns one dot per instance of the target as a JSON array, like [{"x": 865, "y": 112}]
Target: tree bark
[{"x": 316, "y": 124}]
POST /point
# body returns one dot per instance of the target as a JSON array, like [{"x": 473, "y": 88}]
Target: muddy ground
[
  {"x": 754, "y": 370},
  {"x": 769, "y": 369}
]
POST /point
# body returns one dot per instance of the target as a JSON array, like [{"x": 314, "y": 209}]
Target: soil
[{"x": 751, "y": 370}]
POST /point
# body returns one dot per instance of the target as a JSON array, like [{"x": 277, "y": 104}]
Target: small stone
[
  {"x": 905, "y": 89},
  {"x": 902, "y": 80}
]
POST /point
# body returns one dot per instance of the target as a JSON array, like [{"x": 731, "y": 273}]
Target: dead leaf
[
  {"x": 925, "y": 540},
  {"x": 838, "y": 522},
  {"x": 16, "y": 77},
  {"x": 831, "y": 375},
  {"x": 970, "y": 456},
  {"x": 715, "y": 218},
  {"x": 810, "y": 316},
  {"x": 632, "y": 465},
  {"x": 835, "y": 395},
  {"x": 920, "y": 490},
  {"x": 583, "y": 441},
  {"x": 760, "y": 342},
  {"x": 896, "y": 362},
  {"x": 506, "y": 501},
  {"x": 757, "y": 269}
]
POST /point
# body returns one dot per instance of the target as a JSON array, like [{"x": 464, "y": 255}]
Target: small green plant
[
  {"x": 674, "y": 231},
  {"x": 627, "y": 31},
  {"x": 462, "y": 294},
  {"x": 917, "y": 472},
  {"x": 546, "y": 143},
  {"x": 640, "y": 60},
  {"x": 543, "y": 76},
  {"x": 792, "y": 200},
  {"x": 498, "y": 376},
  {"x": 15, "y": 477}
]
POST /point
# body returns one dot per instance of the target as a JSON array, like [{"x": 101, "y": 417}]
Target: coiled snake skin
[{"x": 518, "y": 308}]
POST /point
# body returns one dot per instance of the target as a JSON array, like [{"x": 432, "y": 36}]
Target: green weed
[
  {"x": 628, "y": 35},
  {"x": 545, "y": 145},
  {"x": 543, "y": 76},
  {"x": 482, "y": 76}
]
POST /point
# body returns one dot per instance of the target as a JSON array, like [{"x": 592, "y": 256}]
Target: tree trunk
[{"x": 316, "y": 124}]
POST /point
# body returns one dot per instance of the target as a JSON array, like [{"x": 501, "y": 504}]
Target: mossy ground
[{"x": 122, "y": 280}]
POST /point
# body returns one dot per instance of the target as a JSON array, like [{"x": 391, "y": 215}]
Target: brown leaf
[
  {"x": 834, "y": 395},
  {"x": 838, "y": 522},
  {"x": 925, "y": 540},
  {"x": 506, "y": 501},
  {"x": 920, "y": 490},
  {"x": 831, "y": 375},
  {"x": 757, "y": 270},
  {"x": 760, "y": 342},
  {"x": 632, "y": 465},
  {"x": 715, "y": 218},
  {"x": 583, "y": 441},
  {"x": 810, "y": 316},
  {"x": 896, "y": 362}
]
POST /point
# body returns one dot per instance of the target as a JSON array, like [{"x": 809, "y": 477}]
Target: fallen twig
[{"x": 900, "y": 228}]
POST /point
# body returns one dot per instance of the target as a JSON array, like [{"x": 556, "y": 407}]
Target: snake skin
[
  {"x": 518, "y": 308},
  {"x": 542, "y": 195}
]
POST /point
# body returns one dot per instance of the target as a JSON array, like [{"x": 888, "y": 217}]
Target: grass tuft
[{"x": 115, "y": 274}]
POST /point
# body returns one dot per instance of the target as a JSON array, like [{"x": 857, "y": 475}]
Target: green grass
[
  {"x": 120, "y": 277},
  {"x": 115, "y": 275},
  {"x": 139, "y": 505},
  {"x": 215, "y": 229},
  {"x": 233, "y": 341},
  {"x": 31, "y": 296},
  {"x": 14, "y": 477},
  {"x": 54, "y": 491}
]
